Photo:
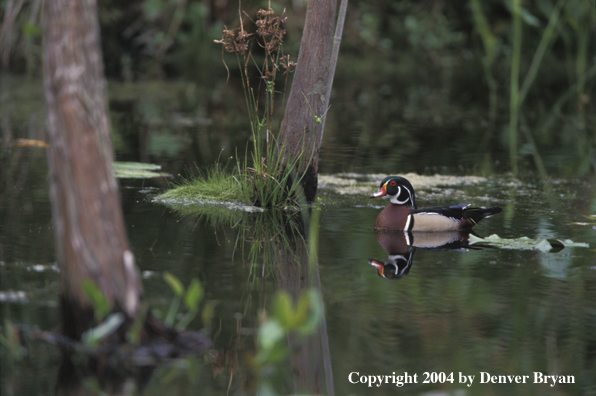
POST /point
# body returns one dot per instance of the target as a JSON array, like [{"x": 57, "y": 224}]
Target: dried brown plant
[
  {"x": 234, "y": 41},
  {"x": 288, "y": 65},
  {"x": 270, "y": 176},
  {"x": 269, "y": 28}
]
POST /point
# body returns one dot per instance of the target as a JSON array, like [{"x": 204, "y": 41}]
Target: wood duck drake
[{"x": 403, "y": 215}]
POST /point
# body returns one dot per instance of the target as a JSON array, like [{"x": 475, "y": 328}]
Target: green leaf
[
  {"x": 525, "y": 15},
  {"x": 174, "y": 283},
  {"x": 273, "y": 355},
  {"x": 270, "y": 333},
  {"x": 172, "y": 311},
  {"x": 489, "y": 41},
  {"x": 185, "y": 321},
  {"x": 300, "y": 315},
  {"x": 194, "y": 294},
  {"x": 283, "y": 311},
  {"x": 98, "y": 300},
  {"x": 529, "y": 18},
  {"x": 525, "y": 243},
  {"x": 107, "y": 327},
  {"x": 137, "y": 170},
  {"x": 570, "y": 243},
  {"x": 315, "y": 312}
]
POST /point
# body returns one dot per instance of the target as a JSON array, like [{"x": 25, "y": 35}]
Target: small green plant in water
[
  {"x": 108, "y": 322},
  {"x": 302, "y": 318},
  {"x": 100, "y": 303},
  {"x": 216, "y": 183},
  {"x": 191, "y": 296},
  {"x": 272, "y": 179}
]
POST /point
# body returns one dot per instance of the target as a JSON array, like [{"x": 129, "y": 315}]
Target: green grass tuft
[{"x": 217, "y": 183}]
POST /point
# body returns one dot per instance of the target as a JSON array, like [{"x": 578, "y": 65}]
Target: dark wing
[
  {"x": 463, "y": 212},
  {"x": 455, "y": 211}
]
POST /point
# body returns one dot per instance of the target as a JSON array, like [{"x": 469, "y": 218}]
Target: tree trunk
[
  {"x": 88, "y": 223},
  {"x": 310, "y": 92}
]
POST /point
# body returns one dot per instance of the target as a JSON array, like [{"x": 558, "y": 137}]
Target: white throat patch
[{"x": 395, "y": 198}]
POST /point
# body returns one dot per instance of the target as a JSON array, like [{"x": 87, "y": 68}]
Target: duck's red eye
[{"x": 392, "y": 183}]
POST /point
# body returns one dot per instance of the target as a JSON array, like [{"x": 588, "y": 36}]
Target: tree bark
[
  {"x": 310, "y": 91},
  {"x": 88, "y": 223}
]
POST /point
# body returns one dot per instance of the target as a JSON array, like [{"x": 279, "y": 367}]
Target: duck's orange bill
[
  {"x": 382, "y": 191},
  {"x": 379, "y": 265}
]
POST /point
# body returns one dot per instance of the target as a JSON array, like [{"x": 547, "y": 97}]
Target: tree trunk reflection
[{"x": 296, "y": 271}]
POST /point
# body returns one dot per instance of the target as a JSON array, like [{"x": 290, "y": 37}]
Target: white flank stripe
[{"x": 408, "y": 223}]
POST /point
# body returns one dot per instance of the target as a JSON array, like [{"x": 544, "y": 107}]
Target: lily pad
[
  {"x": 137, "y": 170},
  {"x": 525, "y": 243}
]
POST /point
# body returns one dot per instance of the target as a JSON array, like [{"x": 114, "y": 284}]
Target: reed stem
[{"x": 514, "y": 87}]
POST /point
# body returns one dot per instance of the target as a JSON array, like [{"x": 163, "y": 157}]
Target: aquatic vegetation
[
  {"x": 108, "y": 323},
  {"x": 358, "y": 183},
  {"x": 137, "y": 170},
  {"x": 303, "y": 317},
  {"x": 267, "y": 180},
  {"x": 564, "y": 19},
  {"x": 525, "y": 243},
  {"x": 216, "y": 184},
  {"x": 192, "y": 296}
]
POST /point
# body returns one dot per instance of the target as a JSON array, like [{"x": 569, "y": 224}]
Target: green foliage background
[{"x": 413, "y": 77}]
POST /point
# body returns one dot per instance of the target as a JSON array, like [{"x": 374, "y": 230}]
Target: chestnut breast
[{"x": 393, "y": 217}]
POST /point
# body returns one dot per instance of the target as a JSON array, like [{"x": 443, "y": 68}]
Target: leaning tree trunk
[
  {"x": 88, "y": 223},
  {"x": 308, "y": 101}
]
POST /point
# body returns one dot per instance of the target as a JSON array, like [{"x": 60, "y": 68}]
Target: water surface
[{"x": 503, "y": 312}]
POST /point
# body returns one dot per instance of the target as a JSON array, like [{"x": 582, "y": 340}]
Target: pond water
[
  {"x": 463, "y": 311},
  {"x": 470, "y": 312}
]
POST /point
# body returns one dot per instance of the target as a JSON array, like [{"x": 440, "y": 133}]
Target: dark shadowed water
[{"x": 456, "y": 313}]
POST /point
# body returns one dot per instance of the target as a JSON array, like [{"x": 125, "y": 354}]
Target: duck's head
[
  {"x": 395, "y": 267},
  {"x": 399, "y": 190}
]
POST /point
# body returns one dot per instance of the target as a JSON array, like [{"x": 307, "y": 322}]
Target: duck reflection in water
[
  {"x": 401, "y": 226},
  {"x": 400, "y": 248},
  {"x": 402, "y": 213}
]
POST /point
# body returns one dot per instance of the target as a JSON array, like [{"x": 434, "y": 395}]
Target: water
[{"x": 501, "y": 312}]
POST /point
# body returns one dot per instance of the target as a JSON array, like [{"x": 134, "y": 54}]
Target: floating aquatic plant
[
  {"x": 524, "y": 243},
  {"x": 137, "y": 170}
]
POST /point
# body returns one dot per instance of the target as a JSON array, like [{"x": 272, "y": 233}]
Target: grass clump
[
  {"x": 271, "y": 180},
  {"x": 265, "y": 178},
  {"x": 217, "y": 183}
]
